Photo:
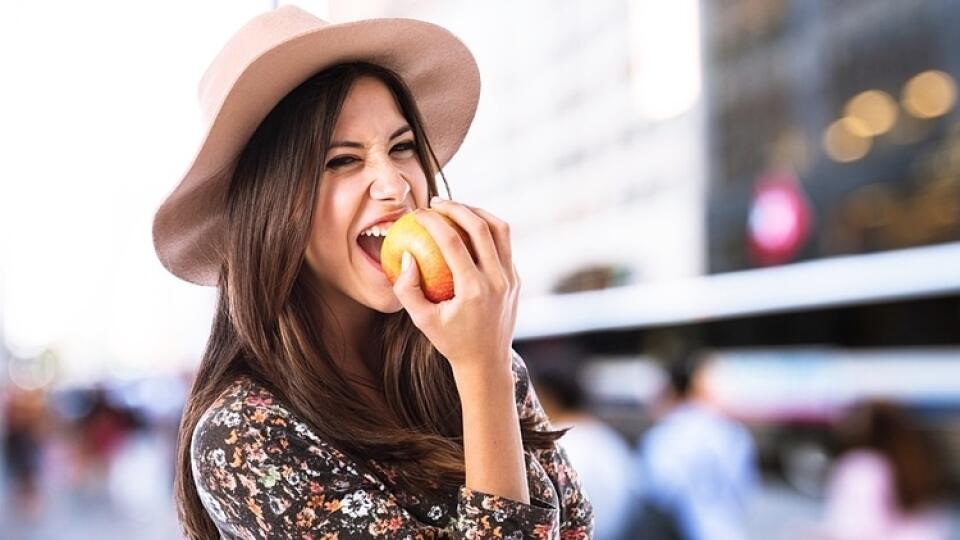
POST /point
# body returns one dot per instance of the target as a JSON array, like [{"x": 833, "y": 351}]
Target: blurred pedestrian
[
  {"x": 888, "y": 483},
  {"x": 697, "y": 466},
  {"x": 103, "y": 431},
  {"x": 599, "y": 454},
  {"x": 25, "y": 420}
]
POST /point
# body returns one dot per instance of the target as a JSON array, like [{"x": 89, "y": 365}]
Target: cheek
[
  {"x": 330, "y": 225},
  {"x": 318, "y": 249}
]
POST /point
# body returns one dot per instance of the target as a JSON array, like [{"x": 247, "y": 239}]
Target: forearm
[{"x": 492, "y": 447}]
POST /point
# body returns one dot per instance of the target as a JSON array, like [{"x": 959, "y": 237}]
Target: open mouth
[
  {"x": 371, "y": 245},
  {"x": 371, "y": 239}
]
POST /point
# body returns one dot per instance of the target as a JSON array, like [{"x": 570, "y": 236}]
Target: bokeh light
[
  {"x": 34, "y": 372},
  {"x": 929, "y": 94},
  {"x": 875, "y": 110},
  {"x": 844, "y": 139}
]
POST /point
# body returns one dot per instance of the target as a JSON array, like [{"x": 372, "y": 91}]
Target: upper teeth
[{"x": 378, "y": 230}]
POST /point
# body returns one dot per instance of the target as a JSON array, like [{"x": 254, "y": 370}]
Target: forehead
[{"x": 369, "y": 110}]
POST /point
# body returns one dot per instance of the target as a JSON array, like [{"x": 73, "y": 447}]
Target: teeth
[{"x": 377, "y": 230}]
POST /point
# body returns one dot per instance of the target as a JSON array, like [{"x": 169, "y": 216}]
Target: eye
[
  {"x": 340, "y": 161},
  {"x": 404, "y": 147}
]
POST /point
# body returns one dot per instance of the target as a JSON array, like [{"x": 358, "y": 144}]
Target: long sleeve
[
  {"x": 576, "y": 512},
  {"x": 261, "y": 473}
]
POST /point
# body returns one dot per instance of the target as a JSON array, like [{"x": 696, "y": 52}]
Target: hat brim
[{"x": 188, "y": 228}]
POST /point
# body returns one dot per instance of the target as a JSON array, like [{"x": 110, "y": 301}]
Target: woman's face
[{"x": 370, "y": 174}]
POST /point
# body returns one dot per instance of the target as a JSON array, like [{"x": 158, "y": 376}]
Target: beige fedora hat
[{"x": 266, "y": 59}]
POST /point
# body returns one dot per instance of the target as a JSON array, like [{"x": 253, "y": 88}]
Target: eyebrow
[{"x": 351, "y": 144}]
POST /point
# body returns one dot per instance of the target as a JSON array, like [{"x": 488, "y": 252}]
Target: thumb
[{"x": 408, "y": 290}]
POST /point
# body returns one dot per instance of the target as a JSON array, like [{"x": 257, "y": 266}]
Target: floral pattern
[{"x": 262, "y": 473}]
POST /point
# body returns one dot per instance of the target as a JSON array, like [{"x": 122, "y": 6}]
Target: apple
[{"x": 406, "y": 234}]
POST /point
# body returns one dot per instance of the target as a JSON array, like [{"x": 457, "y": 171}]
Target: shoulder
[
  {"x": 243, "y": 394},
  {"x": 243, "y": 408},
  {"x": 260, "y": 471},
  {"x": 248, "y": 426}
]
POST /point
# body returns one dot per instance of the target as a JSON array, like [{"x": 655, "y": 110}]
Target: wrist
[
  {"x": 483, "y": 376},
  {"x": 484, "y": 367}
]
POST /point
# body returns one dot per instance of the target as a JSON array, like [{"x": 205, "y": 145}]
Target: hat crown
[{"x": 260, "y": 34}]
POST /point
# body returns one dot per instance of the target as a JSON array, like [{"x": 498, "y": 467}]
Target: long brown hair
[{"x": 264, "y": 326}]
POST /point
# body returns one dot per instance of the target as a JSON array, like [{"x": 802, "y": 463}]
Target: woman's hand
[{"x": 474, "y": 329}]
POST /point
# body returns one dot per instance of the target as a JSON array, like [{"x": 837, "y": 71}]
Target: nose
[{"x": 388, "y": 183}]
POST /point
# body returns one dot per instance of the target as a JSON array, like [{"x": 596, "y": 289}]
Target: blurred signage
[{"x": 779, "y": 221}]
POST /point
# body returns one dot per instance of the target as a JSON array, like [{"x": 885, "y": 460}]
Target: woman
[{"x": 329, "y": 403}]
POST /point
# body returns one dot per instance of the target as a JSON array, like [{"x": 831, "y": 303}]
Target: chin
[
  {"x": 391, "y": 309},
  {"x": 387, "y": 303}
]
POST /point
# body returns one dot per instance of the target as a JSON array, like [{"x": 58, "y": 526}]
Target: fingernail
[
  {"x": 435, "y": 199},
  {"x": 404, "y": 261}
]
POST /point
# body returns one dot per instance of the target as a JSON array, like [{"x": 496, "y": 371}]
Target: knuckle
[
  {"x": 472, "y": 294},
  {"x": 469, "y": 295},
  {"x": 491, "y": 217},
  {"x": 445, "y": 236},
  {"x": 497, "y": 224},
  {"x": 477, "y": 225}
]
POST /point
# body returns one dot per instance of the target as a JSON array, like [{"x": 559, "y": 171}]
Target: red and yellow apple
[{"x": 406, "y": 234}]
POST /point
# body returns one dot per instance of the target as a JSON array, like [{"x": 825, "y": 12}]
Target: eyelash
[{"x": 343, "y": 161}]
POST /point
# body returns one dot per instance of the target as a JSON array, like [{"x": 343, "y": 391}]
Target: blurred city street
[
  {"x": 133, "y": 500},
  {"x": 736, "y": 223}
]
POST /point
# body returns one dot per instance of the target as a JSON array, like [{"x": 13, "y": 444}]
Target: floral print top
[{"x": 262, "y": 473}]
